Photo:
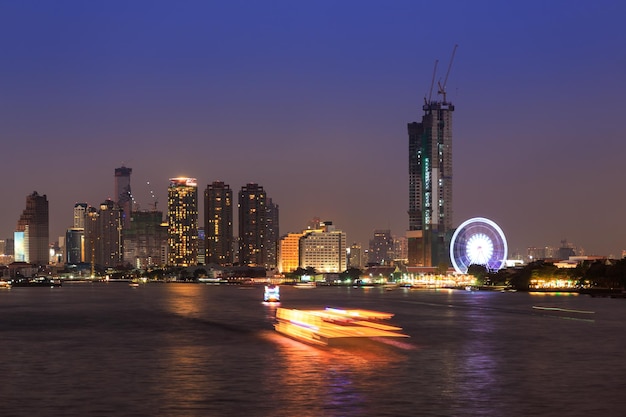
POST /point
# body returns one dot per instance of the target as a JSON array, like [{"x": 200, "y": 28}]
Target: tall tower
[
  {"x": 381, "y": 248},
  {"x": 218, "y": 223},
  {"x": 33, "y": 230},
  {"x": 271, "y": 234},
  {"x": 103, "y": 244},
  {"x": 430, "y": 181},
  {"x": 80, "y": 211},
  {"x": 182, "y": 215},
  {"x": 123, "y": 196},
  {"x": 252, "y": 225}
]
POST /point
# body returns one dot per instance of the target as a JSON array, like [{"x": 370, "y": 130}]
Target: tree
[{"x": 479, "y": 272}]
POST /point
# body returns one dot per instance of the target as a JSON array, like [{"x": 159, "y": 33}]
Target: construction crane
[
  {"x": 442, "y": 87},
  {"x": 432, "y": 82},
  {"x": 154, "y": 198}
]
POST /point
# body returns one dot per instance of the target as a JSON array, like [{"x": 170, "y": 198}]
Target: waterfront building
[
  {"x": 430, "y": 185},
  {"x": 289, "y": 252},
  {"x": 145, "y": 241},
  {"x": 32, "y": 232},
  {"x": 75, "y": 245},
  {"x": 103, "y": 235},
  {"x": 324, "y": 249},
  {"x": 271, "y": 234},
  {"x": 218, "y": 224},
  {"x": 400, "y": 249},
  {"x": 381, "y": 248},
  {"x": 123, "y": 195},
  {"x": 355, "y": 256},
  {"x": 182, "y": 216},
  {"x": 252, "y": 225}
]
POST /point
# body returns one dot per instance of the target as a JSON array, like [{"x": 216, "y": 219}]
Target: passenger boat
[
  {"x": 5, "y": 284},
  {"x": 271, "y": 294},
  {"x": 333, "y": 325}
]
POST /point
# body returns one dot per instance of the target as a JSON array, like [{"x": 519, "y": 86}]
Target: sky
[{"x": 311, "y": 100}]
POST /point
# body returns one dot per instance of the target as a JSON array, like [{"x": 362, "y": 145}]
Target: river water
[{"x": 202, "y": 350}]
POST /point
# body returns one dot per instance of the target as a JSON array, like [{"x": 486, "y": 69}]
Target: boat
[
  {"x": 36, "y": 282},
  {"x": 271, "y": 294},
  {"x": 133, "y": 284},
  {"x": 333, "y": 326},
  {"x": 5, "y": 284},
  {"x": 306, "y": 284}
]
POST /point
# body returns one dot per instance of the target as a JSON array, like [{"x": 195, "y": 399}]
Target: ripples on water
[{"x": 196, "y": 350}]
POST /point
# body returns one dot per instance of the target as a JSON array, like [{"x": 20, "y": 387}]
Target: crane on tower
[{"x": 442, "y": 87}]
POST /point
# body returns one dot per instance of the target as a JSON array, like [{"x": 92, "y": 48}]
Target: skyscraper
[
  {"x": 145, "y": 241},
  {"x": 182, "y": 216},
  {"x": 271, "y": 234},
  {"x": 123, "y": 196},
  {"x": 103, "y": 235},
  {"x": 33, "y": 231},
  {"x": 218, "y": 223},
  {"x": 430, "y": 184},
  {"x": 80, "y": 211},
  {"x": 252, "y": 225}
]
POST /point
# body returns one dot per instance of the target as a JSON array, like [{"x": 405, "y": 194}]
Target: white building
[{"x": 324, "y": 249}]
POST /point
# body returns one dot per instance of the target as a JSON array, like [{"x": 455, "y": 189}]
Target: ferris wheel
[{"x": 478, "y": 241}]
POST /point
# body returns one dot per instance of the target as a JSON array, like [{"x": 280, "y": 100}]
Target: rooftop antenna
[{"x": 442, "y": 87}]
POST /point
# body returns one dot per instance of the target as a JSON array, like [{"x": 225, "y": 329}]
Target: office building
[
  {"x": 289, "y": 252},
  {"x": 271, "y": 234},
  {"x": 218, "y": 224},
  {"x": 75, "y": 245},
  {"x": 355, "y": 256},
  {"x": 80, "y": 211},
  {"x": 182, "y": 218},
  {"x": 32, "y": 232}
]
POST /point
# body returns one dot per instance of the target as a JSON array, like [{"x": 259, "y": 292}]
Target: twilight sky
[{"x": 311, "y": 100}]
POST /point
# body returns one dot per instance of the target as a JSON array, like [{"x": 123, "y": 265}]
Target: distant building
[
  {"x": 123, "y": 195},
  {"x": 182, "y": 215},
  {"x": 80, "y": 211},
  {"x": 400, "y": 248},
  {"x": 381, "y": 248},
  {"x": 271, "y": 234},
  {"x": 218, "y": 224},
  {"x": 145, "y": 241},
  {"x": 324, "y": 249},
  {"x": 252, "y": 225},
  {"x": 430, "y": 185},
  {"x": 32, "y": 232},
  {"x": 75, "y": 245},
  {"x": 289, "y": 253},
  {"x": 355, "y": 256},
  {"x": 103, "y": 235}
]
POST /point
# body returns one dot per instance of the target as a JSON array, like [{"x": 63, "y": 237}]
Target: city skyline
[{"x": 311, "y": 101}]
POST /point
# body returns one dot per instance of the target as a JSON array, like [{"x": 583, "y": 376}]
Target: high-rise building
[
  {"x": 145, "y": 241},
  {"x": 271, "y": 234},
  {"x": 123, "y": 195},
  {"x": 80, "y": 211},
  {"x": 75, "y": 245},
  {"x": 324, "y": 249},
  {"x": 252, "y": 225},
  {"x": 218, "y": 223},
  {"x": 182, "y": 216},
  {"x": 103, "y": 235},
  {"x": 33, "y": 231},
  {"x": 381, "y": 248},
  {"x": 430, "y": 184}
]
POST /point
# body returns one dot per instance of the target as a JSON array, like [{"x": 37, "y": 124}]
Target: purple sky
[{"x": 311, "y": 100}]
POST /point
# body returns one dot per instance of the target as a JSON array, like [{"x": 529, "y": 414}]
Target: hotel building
[{"x": 182, "y": 215}]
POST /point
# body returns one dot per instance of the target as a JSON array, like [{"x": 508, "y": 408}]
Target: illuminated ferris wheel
[{"x": 478, "y": 241}]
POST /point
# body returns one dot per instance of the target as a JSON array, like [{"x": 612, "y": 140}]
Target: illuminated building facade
[
  {"x": 123, "y": 195},
  {"x": 324, "y": 249},
  {"x": 271, "y": 234},
  {"x": 355, "y": 256},
  {"x": 80, "y": 211},
  {"x": 32, "y": 232},
  {"x": 381, "y": 248},
  {"x": 430, "y": 185},
  {"x": 182, "y": 215},
  {"x": 289, "y": 253},
  {"x": 252, "y": 225},
  {"x": 103, "y": 235},
  {"x": 218, "y": 224}
]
